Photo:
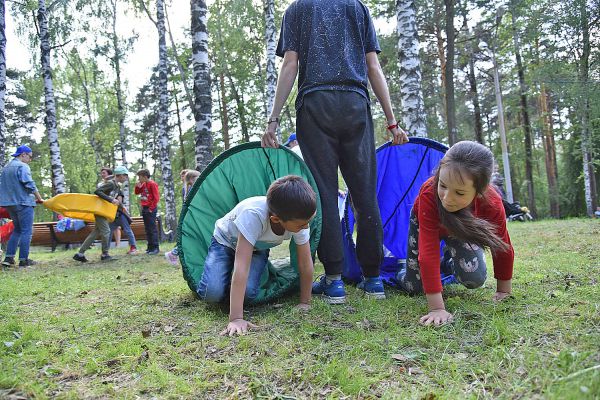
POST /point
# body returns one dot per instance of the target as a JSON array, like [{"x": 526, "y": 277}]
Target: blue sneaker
[
  {"x": 333, "y": 292},
  {"x": 373, "y": 288}
]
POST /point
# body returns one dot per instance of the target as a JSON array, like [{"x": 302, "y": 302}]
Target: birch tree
[
  {"x": 449, "y": 72},
  {"x": 58, "y": 177},
  {"x": 413, "y": 107},
  {"x": 271, "y": 45},
  {"x": 2, "y": 81},
  {"x": 202, "y": 91},
  {"x": 163, "y": 119}
]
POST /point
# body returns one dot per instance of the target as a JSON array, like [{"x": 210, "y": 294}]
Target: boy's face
[
  {"x": 120, "y": 178},
  {"x": 294, "y": 225},
  {"x": 104, "y": 174}
]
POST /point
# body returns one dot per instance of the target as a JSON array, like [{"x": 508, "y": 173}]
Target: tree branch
[
  {"x": 143, "y": 3},
  {"x": 60, "y": 45}
]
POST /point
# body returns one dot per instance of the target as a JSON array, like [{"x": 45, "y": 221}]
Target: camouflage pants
[{"x": 465, "y": 261}]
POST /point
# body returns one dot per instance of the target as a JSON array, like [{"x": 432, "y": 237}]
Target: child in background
[
  {"x": 184, "y": 188},
  {"x": 122, "y": 219},
  {"x": 459, "y": 206},
  {"x": 239, "y": 250},
  {"x": 149, "y": 198},
  {"x": 188, "y": 181},
  {"x": 108, "y": 190}
]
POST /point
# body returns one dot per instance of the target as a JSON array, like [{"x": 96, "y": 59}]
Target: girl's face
[{"x": 456, "y": 191}]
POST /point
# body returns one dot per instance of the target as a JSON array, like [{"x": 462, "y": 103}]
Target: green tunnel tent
[{"x": 244, "y": 171}]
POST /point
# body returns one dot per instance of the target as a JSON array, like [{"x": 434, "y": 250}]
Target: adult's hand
[
  {"x": 269, "y": 138},
  {"x": 399, "y": 135}
]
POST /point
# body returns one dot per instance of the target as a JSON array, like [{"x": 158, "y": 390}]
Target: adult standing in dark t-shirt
[{"x": 332, "y": 46}]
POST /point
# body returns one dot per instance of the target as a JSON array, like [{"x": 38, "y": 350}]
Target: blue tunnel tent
[
  {"x": 243, "y": 171},
  {"x": 401, "y": 170}
]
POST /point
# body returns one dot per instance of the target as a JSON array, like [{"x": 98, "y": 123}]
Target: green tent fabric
[{"x": 244, "y": 171}]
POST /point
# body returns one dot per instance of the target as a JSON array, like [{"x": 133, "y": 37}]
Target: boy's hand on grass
[
  {"x": 237, "y": 326},
  {"x": 437, "y": 318},
  {"x": 499, "y": 296},
  {"x": 302, "y": 307}
]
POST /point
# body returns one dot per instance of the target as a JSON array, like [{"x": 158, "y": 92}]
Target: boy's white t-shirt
[{"x": 251, "y": 218}]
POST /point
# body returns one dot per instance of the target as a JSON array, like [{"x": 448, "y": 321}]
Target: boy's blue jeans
[
  {"x": 218, "y": 268},
  {"x": 22, "y": 217}
]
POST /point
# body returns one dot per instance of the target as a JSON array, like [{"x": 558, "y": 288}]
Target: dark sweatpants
[{"x": 336, "y": 128}]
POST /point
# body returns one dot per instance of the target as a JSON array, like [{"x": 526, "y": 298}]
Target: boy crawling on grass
[{"x": 239, "y": 249}]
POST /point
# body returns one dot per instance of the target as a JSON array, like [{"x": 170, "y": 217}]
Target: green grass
[{"x": 132, "y": 329}]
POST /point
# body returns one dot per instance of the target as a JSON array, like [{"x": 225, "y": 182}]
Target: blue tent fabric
[{"x": 401, "y": 170}]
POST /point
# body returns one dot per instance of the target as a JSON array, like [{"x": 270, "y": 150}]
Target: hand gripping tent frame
[
  {"x": 401, "y": 170},
  {"x": 243, "y": 171}
]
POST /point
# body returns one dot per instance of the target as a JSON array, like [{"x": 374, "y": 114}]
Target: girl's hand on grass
[
  {"x": 302, "y": 307},
  {"x": 503, "y": 289},
  {"x": 237, "y": 326},
  {"x": 499, "y": 296},
  {"x": 437, "y": 318}
]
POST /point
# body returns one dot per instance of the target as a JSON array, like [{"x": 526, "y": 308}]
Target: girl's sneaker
[
  {"x": 173, "y": 259},
  {"x": 132, "y": 250}
]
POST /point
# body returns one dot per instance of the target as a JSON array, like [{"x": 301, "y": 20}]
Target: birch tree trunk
[
  {"x": 58, "y": 176},
  {"x": 449, "y": 71},
  {"x": 116, "y": 62},
  {"x": 441, "y": 53},
  {"x": 584, "y": 109},
  {"x": 524, "y": 114},
  {"x": 2, "y": 81},
  {"x": 413, "y": 106},
  {"x": 163, "y": 119},
  {"x": 270, "y": 40},
  {"x": 202, "y": 94}
]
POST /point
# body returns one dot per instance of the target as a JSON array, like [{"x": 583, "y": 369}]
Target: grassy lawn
[{"x": 132, "y": 329}]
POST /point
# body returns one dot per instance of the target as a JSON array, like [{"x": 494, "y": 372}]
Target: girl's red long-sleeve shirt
[
  {"x": 431, "y": 231},
  {"x": 149, "y": 190}
]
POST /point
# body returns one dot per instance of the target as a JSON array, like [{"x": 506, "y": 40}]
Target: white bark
[
  {"x": 202, "y": 92},
  {"x": 116, "y": 61},
  {"x": 271, "y": 45},
  {"x": 58, "y": 176},
  {"x": 413, "y": 107},
  {"x": 163, "y": 117},
  {"x": 2, "y": 81}
]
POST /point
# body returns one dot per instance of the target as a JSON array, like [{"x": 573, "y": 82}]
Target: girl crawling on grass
[{"x": 459, "y": 206}]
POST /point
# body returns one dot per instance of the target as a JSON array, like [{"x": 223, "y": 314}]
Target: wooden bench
[{"x": 45, "y": 233}]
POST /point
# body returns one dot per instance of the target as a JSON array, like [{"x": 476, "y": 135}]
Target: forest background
[{"x": 85, "y": 97}]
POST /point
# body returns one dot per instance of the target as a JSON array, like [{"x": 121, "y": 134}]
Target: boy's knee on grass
[{"x": 211, "y": 295}]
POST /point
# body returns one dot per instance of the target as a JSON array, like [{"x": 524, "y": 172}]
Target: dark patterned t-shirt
[{"x": 331, "y": 38}]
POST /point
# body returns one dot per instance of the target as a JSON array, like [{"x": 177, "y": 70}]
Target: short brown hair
[
  {"x": 291, "y": 197},
  {"x": 110, "y": 171},
  {"x": 144, "y": 172}
]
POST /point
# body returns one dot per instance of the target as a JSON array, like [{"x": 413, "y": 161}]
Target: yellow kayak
[{"x": 81, "y": 206}]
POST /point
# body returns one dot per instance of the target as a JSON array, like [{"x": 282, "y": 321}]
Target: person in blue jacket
[{"x": 18, "y": 195}]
